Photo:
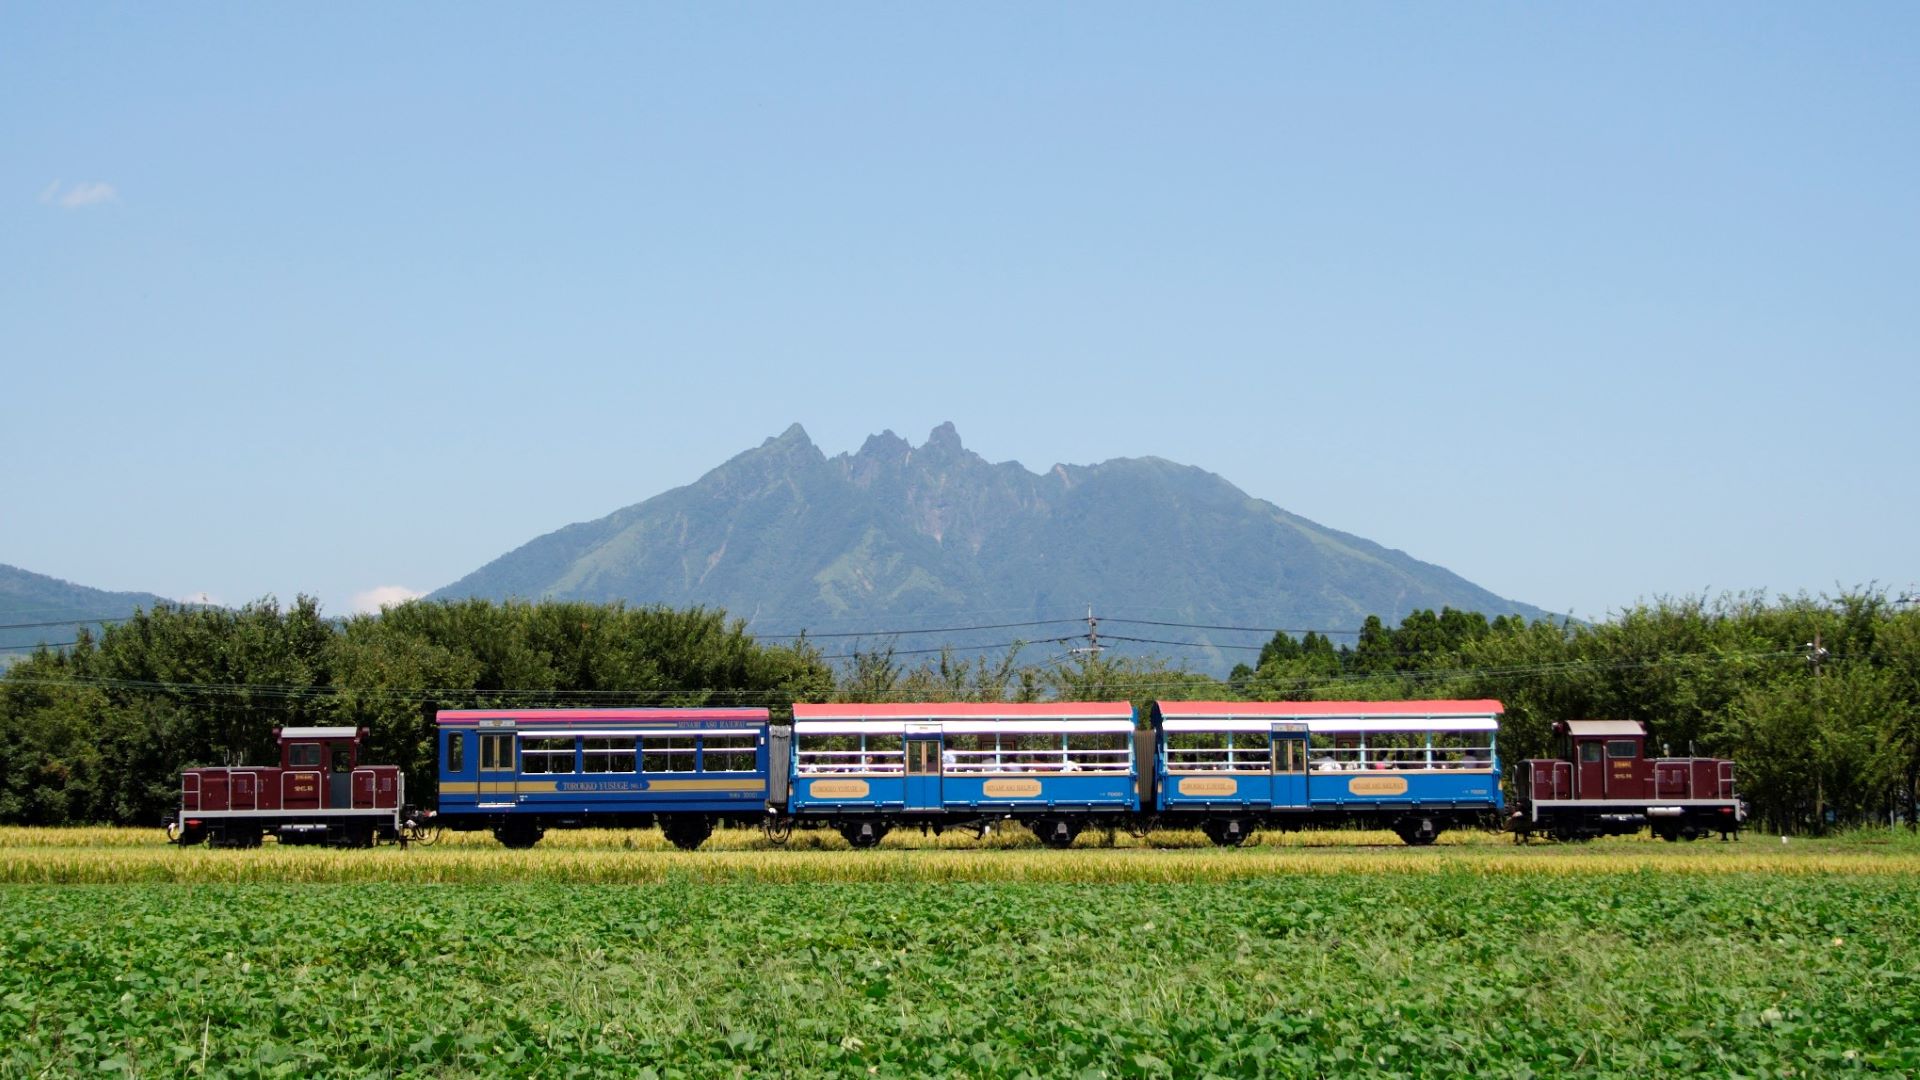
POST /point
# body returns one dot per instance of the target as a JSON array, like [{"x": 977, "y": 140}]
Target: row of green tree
[{"x": 1826, "y": 732}]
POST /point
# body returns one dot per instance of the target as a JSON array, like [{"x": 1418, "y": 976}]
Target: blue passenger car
[
  {"x": 1416, "y": 767},
  {"x": 1056, "y": 768},
  {"x": 520, "y": 772}
]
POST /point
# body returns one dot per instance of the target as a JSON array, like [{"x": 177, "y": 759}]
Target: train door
[
  {"x": 498, "y": 776},
  {"x": 922, "y": 745},
  {"x": 1290, "y": 765},
  {"x": 1590, "y": 768},
  {"x": 340, "y": 773}
]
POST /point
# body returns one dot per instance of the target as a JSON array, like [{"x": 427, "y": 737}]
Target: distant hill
[
  {"x": 898, "y": 536},
  {"x": 55, "y": 607}
]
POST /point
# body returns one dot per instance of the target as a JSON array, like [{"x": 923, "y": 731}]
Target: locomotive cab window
[
  {"x": 303, "y": 755},
  {"x": 1590, "y": 751},
  {"x": 1620, "y": 748},
  {"x": 342, "y": 758}
]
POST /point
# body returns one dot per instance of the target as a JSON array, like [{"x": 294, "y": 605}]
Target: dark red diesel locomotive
[
  {"x": 1604, "y": 783},
  {"x": 321, "y": 792}
]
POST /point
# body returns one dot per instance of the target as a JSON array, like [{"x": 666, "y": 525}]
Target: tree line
[{"x": 99, "y": 731}]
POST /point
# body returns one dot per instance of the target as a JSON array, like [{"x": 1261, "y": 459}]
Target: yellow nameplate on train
[
  {"x": 838, "y": 789},
  {"x": 1377, "y": 785},
  {"x": 1208, "y": 785},
  {"x": 1010, "y": 789}
]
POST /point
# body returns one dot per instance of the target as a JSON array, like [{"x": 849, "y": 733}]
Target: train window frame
[
  {"x": 1616, "y": 746},
  {"x": 1591, "y": 752},
  {"x": 548, "y": 755},
  {"x": 735, "y": 747},
  {"x": 666, "y": 754},
  {"x": 456, "y": 751},
  {"x": 1098, "y": 751},
  {"x": 618, "y": 755},
  {"x": 303, "y": 755},
  {"x": 497, "y": 753}
]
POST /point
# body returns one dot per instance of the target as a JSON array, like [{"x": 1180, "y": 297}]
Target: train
[{"x": 1228, "y": 769}]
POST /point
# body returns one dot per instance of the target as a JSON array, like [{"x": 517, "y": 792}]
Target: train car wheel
[
  {"x": 518, "y": 835},
  {"x": 685, "y": 833},
  {"x": 1417, "y": 832},
  {"x": 1056, "y": 833},
  {"x": 1227, "y": 832},
  {"x": 863, "y": 834}
]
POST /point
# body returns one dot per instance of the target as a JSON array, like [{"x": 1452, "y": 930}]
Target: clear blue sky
[{"x": 1587, "y": 303}]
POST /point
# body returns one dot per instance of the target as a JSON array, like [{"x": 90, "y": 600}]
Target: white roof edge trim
[
  {"x": 1322, "y": 724},
  {"x": 1075, "y": 726},
  {"x": 318, "y": 732},
  {"x": 629, "y": 733},
  {"x": 1605, "y": 727},
  {"x": 966, "y": 718}
]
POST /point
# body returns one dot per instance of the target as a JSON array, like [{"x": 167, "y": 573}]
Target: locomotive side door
[
  {"x": 1589, "y": 769},
  {"x": 1290, "y": 765},
  {"x": 340, "y": 773}
]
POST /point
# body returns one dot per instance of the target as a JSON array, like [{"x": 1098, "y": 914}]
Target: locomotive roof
[
  {"x": 1604, "y": 727},
  {"x": 318, "y": 732}
]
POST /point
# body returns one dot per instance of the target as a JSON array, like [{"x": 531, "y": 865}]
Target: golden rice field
[{"x": 113, "y": 855}]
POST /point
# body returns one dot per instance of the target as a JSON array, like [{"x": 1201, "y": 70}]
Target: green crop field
[{"x": 1616, "y": 958}]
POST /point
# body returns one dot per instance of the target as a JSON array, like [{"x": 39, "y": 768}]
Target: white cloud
[
  {"x": 202, "y": 597},
  {"x": 380, "y": 596},
  {"x": 79, "y": 194}
]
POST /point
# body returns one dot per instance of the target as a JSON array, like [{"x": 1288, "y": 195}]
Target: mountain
[
  {"x": 903, "y": 537},
  {"x": 38, "y": 608}
]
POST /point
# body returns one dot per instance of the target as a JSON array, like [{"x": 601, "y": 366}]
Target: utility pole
[
  {"x": 1093, "y": 636},
  {"x": 1815, "y": 654}
]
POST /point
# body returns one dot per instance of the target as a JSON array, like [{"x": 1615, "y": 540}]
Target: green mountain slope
[
  {"x": 935, "y": 535},
  {"x": 29, "y": 598}
]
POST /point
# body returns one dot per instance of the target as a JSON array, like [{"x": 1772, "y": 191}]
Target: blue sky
[{"x": 1588, "y": 303}]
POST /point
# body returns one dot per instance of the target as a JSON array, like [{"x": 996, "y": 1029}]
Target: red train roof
[
  {"x": 567, "y": 716},
  {"x": 962, "y": 710},
  {"x": 1480, "y": 707}
]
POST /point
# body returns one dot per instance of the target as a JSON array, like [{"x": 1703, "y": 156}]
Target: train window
[
  {"x": 1590, "y": 751},
  {"x": 342, "y": 758},
  {"x": 1289, "y": 755},
  {"x": 1620, "y": 748},
  {"x": 496, "y": 753},
  {"x": 546, "y": 755},
  {"x": 607, "y": 755},
  {"x": 303, "y": 755},
  {"x": 667, "y": 753},
  {"x": 457, "y": 752},
  {"x": 827, "y": 753},
  {"x": 727, "y": 753},
  {"x": 1107, "y": 750},
  {"x": 1197, "y": 750},
  {"x": 1249, "y": 750}
]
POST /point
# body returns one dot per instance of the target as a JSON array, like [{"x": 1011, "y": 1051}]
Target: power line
[
  {"x": 904, "y": 633},
  {"x": 41, "y": 645},
  {"x": 1186, "y": 644},
  {"x": 64, "y": 622},
  {"x": 1246, "y": 629}
]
